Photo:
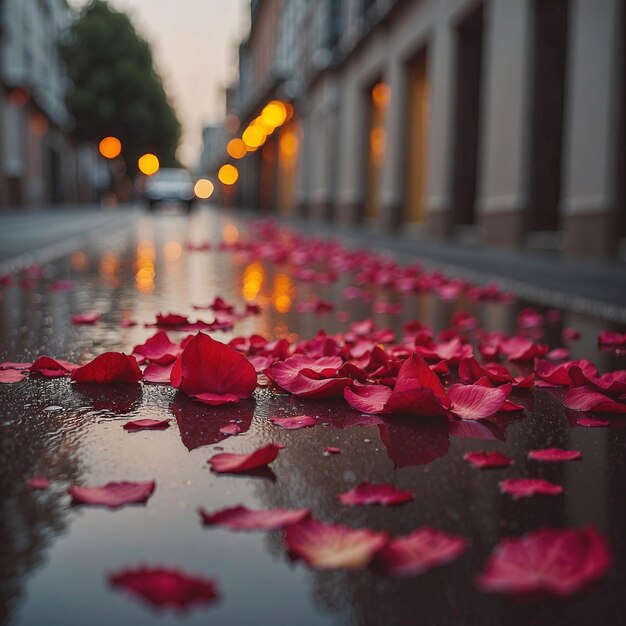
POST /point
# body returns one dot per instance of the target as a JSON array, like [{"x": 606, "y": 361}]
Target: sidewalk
[{"x": 593, "y": 287}]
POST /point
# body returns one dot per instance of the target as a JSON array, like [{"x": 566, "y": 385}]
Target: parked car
[{"x": 170, "y": 185}]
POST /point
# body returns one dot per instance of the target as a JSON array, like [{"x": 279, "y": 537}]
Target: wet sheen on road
[{"x": 56, "y": 557}]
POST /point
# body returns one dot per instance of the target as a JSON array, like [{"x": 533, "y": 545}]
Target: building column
[
  {"x": 502, "y": 195},
  {"x": 440, "y": 72},
  {"x": 596, "y": 65},
  {"x": 392, "y": 178},
  {"x": 352, "y": 152}
]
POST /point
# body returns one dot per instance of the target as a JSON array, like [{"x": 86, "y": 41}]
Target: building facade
[
  {"x": 39, "y": 164},
  {"x": 484, "y": 121}
]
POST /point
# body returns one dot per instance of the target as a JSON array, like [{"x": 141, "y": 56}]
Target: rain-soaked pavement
[{"x": 55, "y": 557}]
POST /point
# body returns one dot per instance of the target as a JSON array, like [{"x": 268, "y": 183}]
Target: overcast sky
[{"x": 194, "y": 43}]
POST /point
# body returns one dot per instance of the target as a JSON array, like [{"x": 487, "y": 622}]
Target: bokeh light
[
  {"x": 203, "y": 188},
  {"x": 253, "y": 137},
  {"x": 381, "y": 94},
  {"x": 236, "y": 148},
  {"x": 253, "y": 277},
  {"x": 228, "y": 174},
  {"x": 148, "y": 164},
  {"x": 110, "y": 147},
  {"x": 230, "y": 233},
  {"x": 274, "y": 113}
]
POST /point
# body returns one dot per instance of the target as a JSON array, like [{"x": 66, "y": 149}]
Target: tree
[{"x": 114, "y": 88}]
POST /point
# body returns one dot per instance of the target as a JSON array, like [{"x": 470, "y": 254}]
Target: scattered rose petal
[
  {"x": 242, "y": 518},
  {"x": 159, "y": 349},
  {"x": 587, "y": 399},
  {"x": 11, "y": 376},
  {"x": 128, "y": 323},
  {"x": 216, "y": 399},
  {"x": 333, "y": 546},
  {"x": 611, "y": 338},
  {"x": 553, "y": 455},
  {"x": 158, "y": 374},
  {"x": 475, "y": 402},
  {"x": 164, "y": 587},
  {"x": 419, "y": 552},
  {"x": 38, "y": 482},
  {"x": 590, "y": 422},
  {"x": 294, "y": 423},
  {"x": 113, "y": 495},
  {"x": 90, "y": 317},
  {"x": 547, "y": 561},
  {"x": 368, "y": 493},
  {"x": 526, "y": 487},
  {"x": 146, "y": 424},
  {"x": 488, "y": 459},
  {"x": 52, "y": 368},
  {"x": 227, "y": 462},
  {"x": 110, "y": 367},
  {"x": 230, "y": 429},
  {"x": 332, "y": 450}
]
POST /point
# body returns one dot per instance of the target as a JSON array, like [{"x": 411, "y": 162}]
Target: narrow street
[{"x": 131, "y": 267}]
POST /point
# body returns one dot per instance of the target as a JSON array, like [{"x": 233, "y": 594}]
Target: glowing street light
[
  {"x": 228, "y": 174},
  {"x": 148, "y": 164},
  {"x": 236, "y": 148},
  {"x": 203, "y": 188},
  {"x": 110, "y": 147}
]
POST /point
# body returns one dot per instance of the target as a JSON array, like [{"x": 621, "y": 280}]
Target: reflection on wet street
[{"x": 56, "y": 557}]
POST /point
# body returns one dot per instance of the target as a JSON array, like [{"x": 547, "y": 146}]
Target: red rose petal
[
  {"x": 230, "y": 429},
  {"x": 333, "y": 546},
  {"x": 526, "y": 487},
  {"x": 419, "y": 552},
  {"x": 235, "y": 463},
  {"x": 128, "y": 323},
  {"x": 553, "y": 455},
  {"x": 587, "y": 399},
  {"x": 146, "y": 424},
  {"x": 158, "y": 374},
  {"x": 589, "y": 422},
  {"x": 90, "y": 317},
  {"x": 548, "y": 561},
  {"x": 52, "y": 368},
  {"x": 294, "y": 423},
  {"x": 611, "y": 338},
  {"x": 38, "y": 482},
  {"x": 11, "y": 376},
  {"x": 216, "y": 399},
  {"x": 242, "y": 518},
  {"x": 207, "y": 366},
  {"x": 113, "y": 495},
  {"x": 368, "y": 493},
  {"x": 369, "y": 399},
  {"x": 475, "y": 402},
  {"x": 488, "y": 459},
  {"x": 159, "y": 349},
  {"x": 110, "y": 367},
  {"x": 164, "y": 587},
  {"x": 332, "y": 450}
]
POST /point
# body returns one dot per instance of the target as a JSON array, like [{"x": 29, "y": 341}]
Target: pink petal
[
  {"x": 611, "y": 338},
  {"x": 419, "y": 552},
  {"x": 230, "y": 429},
  {"x": 488, "y": 459},
  {"x": 159, "y": 349},
  {"x": 90, "y": 317},
  {"x": 113, "y": 495},
  {"x": 475, "y": 402},
  {"x": 242, "y": 518},
  {"x": 332, "y": 450},
  {"x": 551, "y": 455},
  {"x": 216, "y": 399},
  {"x": 590, "y": 422},
  {"x": 526, "y": 487},
  {"x": 159, "y": 374},
  {"x": 333, "y": 546},
  {"x": 548, "y": 561},
  {"x": 587, "y": 399},
  {"x": 367, "y": 398},
  {"x": 146, "y": 424},
  {"x": 11, "y": 376},
  {"x": 164, "y": 587},
  {"x": 38, "y": 482},
  {"x": 368, "y": 493},
  {"x": 293, "y": 423},
  {"x": 110, "y": 367},
  {"x": 236, "y": 463}
]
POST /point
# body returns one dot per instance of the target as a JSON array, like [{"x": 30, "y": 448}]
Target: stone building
[{"x": 484, "y": 121}]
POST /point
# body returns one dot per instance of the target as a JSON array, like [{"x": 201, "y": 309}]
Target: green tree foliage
[{"x": 115, "y": 89}]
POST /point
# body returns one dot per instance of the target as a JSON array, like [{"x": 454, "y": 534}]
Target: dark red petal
[
  {"x": 488, "y": 459},
  {"x": 113, "y": 495},
  {"x": 164, "y": 587},
  {"x": 242, "y": 518},
  {"x": 333, "y": 546},
  {"x": 368, "y": 493},
  {"x": 526, "y": 487},
  {"x": 474, "y": 402},
  {"x": 146, "y": 424},
  {"x": 548, "y": 561},
  {"x": 110, "y": 367},
  {"x": 552, "y": 455},
  {"x": 332, "y": 450},
  {"x": 52, "y": 368},
  {"x": 235, "y": 463},
  {"x": 294, "y": 423},
  {"x": 419, "y": 552}
]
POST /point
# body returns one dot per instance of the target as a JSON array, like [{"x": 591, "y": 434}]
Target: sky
[{"x": 194, "y": 44}]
